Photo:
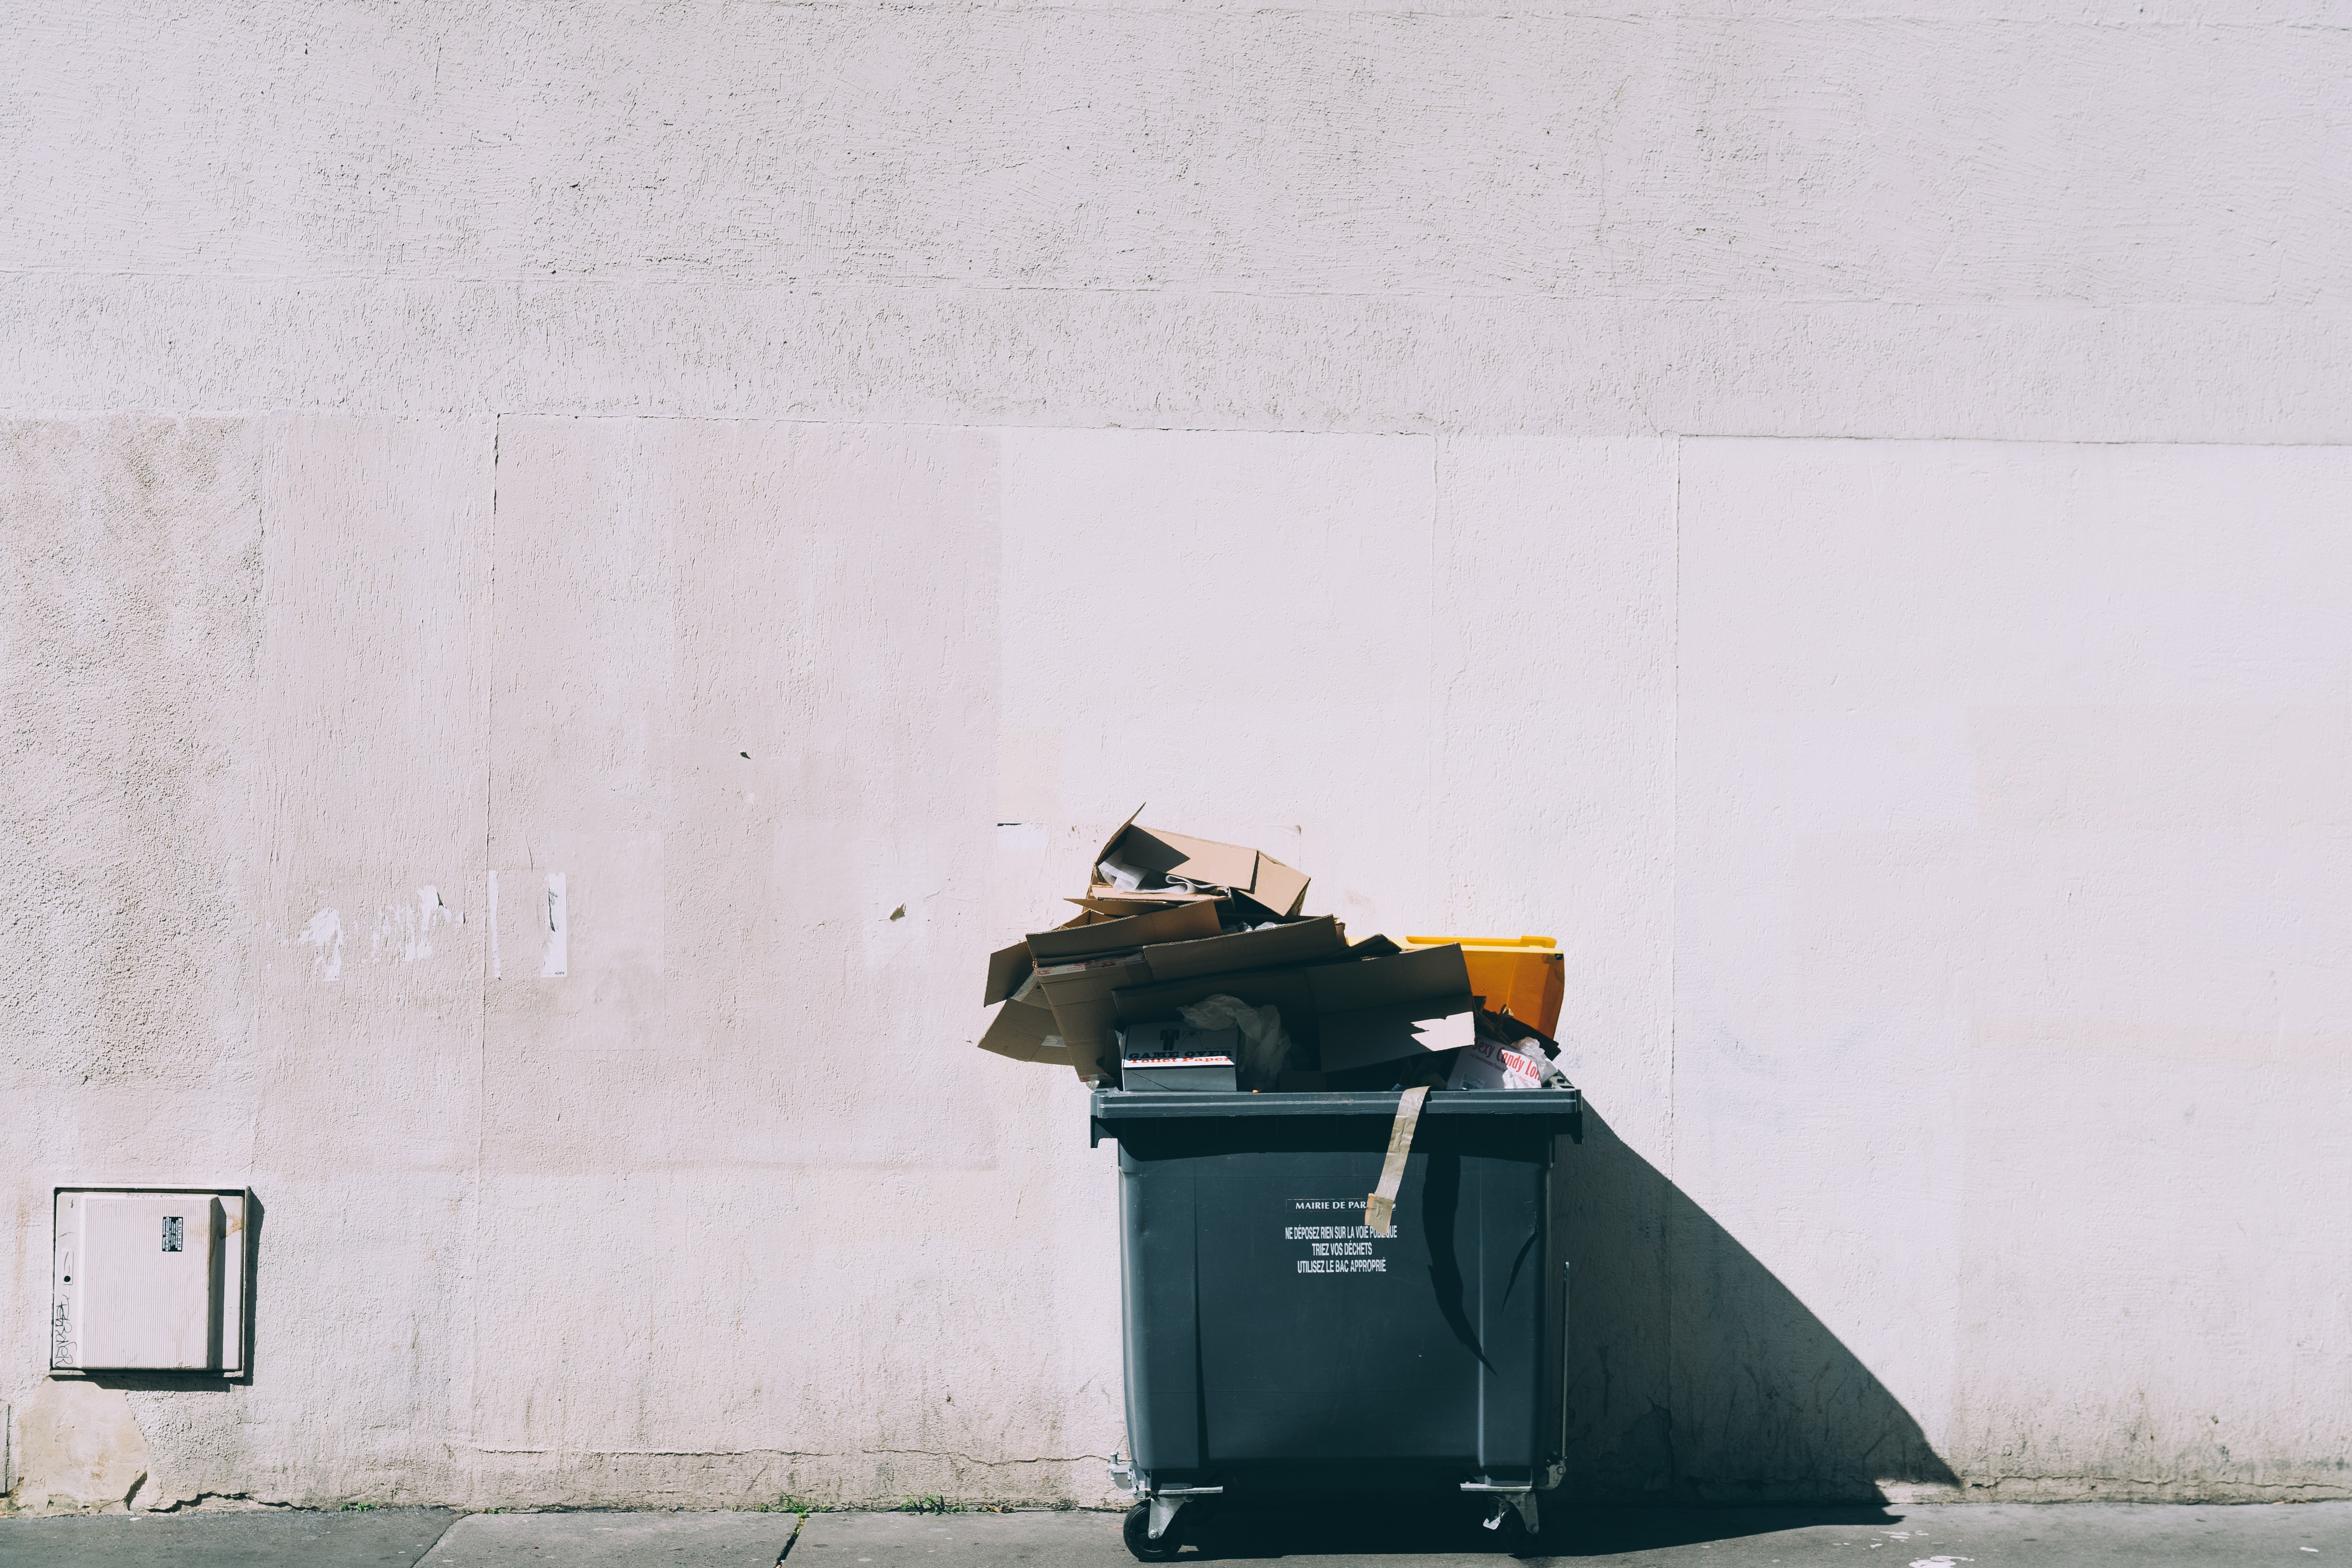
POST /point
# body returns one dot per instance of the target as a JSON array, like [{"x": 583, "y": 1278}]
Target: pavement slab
[
  {"x": 242, "y": 1537},
  {"x": 614, "y": 1541},
  {"x": 1379, "y": 1531},
  {"x": 1977, "y": 1535},
  {"x": 846, "y": 1540}
]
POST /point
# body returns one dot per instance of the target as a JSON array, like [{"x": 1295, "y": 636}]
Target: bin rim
[{"x": 1112, "y": 1107}]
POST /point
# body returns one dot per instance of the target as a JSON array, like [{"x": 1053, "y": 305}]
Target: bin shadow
[
  {"x": 1693, "y": 1375},
  {"x": 1704, "y": 1402},
  {"x": 1386, "y": 1525}
]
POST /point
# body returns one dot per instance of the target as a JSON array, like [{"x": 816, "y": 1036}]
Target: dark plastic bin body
[{"x": 1272, "y": 1344}]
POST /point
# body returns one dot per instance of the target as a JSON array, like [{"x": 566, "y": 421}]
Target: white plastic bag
[{"x": 1265, "y": 1045}]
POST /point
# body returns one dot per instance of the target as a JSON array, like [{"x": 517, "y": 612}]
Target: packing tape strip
[{"x": 1380, "y": 1208}]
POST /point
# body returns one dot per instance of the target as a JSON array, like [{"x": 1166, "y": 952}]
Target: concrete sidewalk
[{"x": 2088, "y": 1535}]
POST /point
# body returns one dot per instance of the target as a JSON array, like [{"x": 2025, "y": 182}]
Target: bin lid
[{"x": 1534, "y": 946}]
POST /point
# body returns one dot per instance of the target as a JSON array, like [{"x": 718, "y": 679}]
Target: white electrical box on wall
[{"x": 150, "y": 1278}]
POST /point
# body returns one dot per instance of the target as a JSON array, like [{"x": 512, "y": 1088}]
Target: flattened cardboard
[
  {"x": 1119, "y": 905},
  {"x": 1379, "y": 1009},
  {"x": 1283, "y": 946},
  {"x": 1422, "y": 975},
  {"x": 1066, "y": 944},
  {"x": 1367, "y": 1035}
]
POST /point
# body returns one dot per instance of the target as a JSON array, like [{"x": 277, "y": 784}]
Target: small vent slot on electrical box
[{"x": 176, "y": 1233}]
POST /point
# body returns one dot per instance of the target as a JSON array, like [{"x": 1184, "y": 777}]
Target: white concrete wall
[{"x": 1840, "y": 514}]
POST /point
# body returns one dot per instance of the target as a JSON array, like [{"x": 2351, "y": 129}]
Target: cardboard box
[
  {"x": 1382, "y": 1009},
  {"x": 1137, "y": 853},
  {"x": 1169, "y": 1053},
  {"x": 1180, "y": 1075}
]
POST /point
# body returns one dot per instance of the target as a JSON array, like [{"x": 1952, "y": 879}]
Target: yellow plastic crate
[{"x": 1524, "y": 974}]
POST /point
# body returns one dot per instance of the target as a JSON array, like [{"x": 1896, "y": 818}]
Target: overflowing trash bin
[
  {"x": 1277, "y": 1343},
  {"x": 1338, "y": 1162}
]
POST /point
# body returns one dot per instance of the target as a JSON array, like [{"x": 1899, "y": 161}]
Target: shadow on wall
[{"x": 1693, "y": 1375}]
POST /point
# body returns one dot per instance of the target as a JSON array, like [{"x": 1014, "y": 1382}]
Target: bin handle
[{"x": 1565, "y": 1275}]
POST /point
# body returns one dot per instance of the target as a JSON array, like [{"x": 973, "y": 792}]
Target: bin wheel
[
  {"x": 1505, "y": 1531},
  {"x": 1138, "y": 1531}
]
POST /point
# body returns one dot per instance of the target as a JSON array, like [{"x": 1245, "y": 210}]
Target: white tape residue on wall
[
  {"x": 559, "y": 947},
  {"x": 325, "y": 932}
]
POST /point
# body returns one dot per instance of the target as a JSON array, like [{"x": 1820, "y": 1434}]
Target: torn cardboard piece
[
  {"x": 1025, "y": 1034},
  {"x": 1379, "y": 1206},
  {"x": 1009, "y": 969}
]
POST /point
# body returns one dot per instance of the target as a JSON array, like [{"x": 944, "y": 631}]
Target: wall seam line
[
  {"x": 1674, "y": 901},
  {"x": 482, "y": 1030}
]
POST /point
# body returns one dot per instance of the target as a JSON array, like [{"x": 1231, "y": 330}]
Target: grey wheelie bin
[{"x": 1276, "y": 1345}]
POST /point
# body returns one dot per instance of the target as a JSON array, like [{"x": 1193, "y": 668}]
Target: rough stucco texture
[{"x": 570, "y": 570}]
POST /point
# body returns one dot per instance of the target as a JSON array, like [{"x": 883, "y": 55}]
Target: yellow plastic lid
[{"x": 1490, "y": 943}]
